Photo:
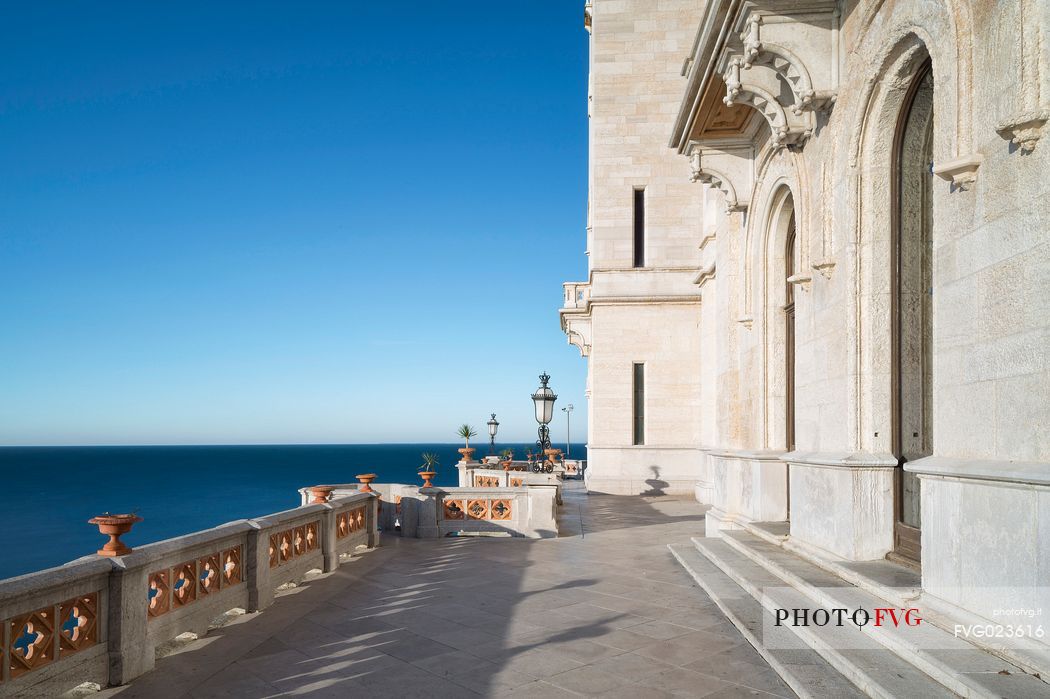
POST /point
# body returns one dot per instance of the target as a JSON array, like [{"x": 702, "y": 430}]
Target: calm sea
[{"x": 50, "y": 492}]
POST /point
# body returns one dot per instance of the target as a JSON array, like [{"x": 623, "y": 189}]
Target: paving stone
[{"x": 611, "y": 613}]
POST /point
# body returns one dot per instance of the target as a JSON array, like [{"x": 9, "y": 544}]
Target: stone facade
[{"x": 844, "y": 309}]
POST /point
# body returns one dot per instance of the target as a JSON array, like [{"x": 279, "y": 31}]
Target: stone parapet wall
[
  {"x": 101, "y": 619},
  {"x": 529, "y": 510}
]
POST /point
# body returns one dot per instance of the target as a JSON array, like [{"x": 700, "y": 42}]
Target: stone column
[
  {"x": 257, "y": 568},
  {"x": 328, "y": 539},
  {"x": 372, "y": 518}
]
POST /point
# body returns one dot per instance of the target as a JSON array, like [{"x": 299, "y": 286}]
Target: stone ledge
[
  {"x": 748, "y": 454},
  {"x": 1027, "y": 472},
  {"x": 831, "y": 459}
]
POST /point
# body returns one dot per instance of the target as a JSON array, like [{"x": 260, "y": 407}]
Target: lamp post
[
  {"x": 493, "y": 426},
  {"x": 568, "y": 428},
  {"x": 544, "y": 399}
]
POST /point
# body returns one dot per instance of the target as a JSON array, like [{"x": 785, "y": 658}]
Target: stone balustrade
[
  {"x": 577, "y": 294},
  {"x": 100, "y": 620},
  {"x": 528, "y": 510}
]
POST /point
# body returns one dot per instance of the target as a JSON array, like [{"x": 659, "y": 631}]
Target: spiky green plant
[
  {"x": 465, "y": 432},
  {"x": 507, "y": 454},
  {"x": 430, "y": 462}
]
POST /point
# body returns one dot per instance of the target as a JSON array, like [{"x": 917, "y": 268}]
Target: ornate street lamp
[
  {"x": 544, "y": 399},
  {"x": 493, "y": 426}
]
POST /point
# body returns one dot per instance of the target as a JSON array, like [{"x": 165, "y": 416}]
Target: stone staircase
[{"x": 749, "y": 574}]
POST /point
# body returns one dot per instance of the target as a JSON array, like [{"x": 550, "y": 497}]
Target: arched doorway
[{"x": 912, "y": 311}]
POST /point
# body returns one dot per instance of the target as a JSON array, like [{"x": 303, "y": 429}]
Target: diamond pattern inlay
[
  {"x": 78, "y": 619},
  {"x": 453, "y": 509},
  {"x": 32, "y": 641},
  {"x": 477, "y": 509},
  {"x": 158, "y": 595}
]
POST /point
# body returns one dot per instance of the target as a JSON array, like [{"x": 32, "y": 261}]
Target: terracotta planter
[
  {"x": 114, "y": 526},
  {"x": 366, "y": 479},
  {"x": 552, "y": 454},
  {"x": 467, "y": 454},
  {"x": 427, "y": 476},
  {"x": 505, "y": 465},
  {"x": 321, "y": 494}
]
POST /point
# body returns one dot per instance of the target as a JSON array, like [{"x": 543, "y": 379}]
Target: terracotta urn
[
  {"x": 114, "y": 526},
  {"x": 366, "y": 479},
  {"x": 321, "y": 494},
  {"x": 552, "y": 454},
  {"x": 467, "y": 454},
  {"x": 427, "y": 476}
]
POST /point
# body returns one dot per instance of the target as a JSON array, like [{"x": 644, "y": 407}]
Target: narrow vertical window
[
  {"x": 639, "y": 404},
  {"x": 639, "y": 228}
]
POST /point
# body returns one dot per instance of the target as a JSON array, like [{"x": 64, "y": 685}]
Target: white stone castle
[{"x": 819, "y": 279}]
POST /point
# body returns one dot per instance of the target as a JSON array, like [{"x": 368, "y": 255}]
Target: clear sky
[{"x": 288, "y": 222}]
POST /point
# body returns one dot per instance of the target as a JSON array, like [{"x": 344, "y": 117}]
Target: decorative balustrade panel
[{"x": 54, "y": 623}]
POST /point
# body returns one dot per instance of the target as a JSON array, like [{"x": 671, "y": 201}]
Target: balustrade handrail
[{"x": 99, "y": 619}]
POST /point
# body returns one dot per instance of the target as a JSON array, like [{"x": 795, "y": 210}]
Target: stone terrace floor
[{"x": 602, "y": 610}]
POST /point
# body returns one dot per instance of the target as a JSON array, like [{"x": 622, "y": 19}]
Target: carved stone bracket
[
  {"x": 1024, "y": 130},
  {"x": 825, "y": 267},
  {"x": 799, "y": 43},
  {"x": 800, "y": 280},
  {"x": 961, "y": 172},
  {"x": 758, "y": 88},
  {"x": 729, "y": 169},
  {"x": 578, "y": 332}
]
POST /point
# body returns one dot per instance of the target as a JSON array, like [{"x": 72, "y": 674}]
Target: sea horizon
[{"x": 183, "y": 488}]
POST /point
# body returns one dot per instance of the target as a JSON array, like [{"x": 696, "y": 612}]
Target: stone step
[
  {"x": 803, "y": 669},
  {"x": 877, "y": 671},
  {"x": 954, "y": 662}
]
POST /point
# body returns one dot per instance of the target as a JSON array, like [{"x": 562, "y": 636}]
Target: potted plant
[
  {"x": 465, "y": 432},
  {"x": 426, "y": 471},
  {"x": 508, "y": 458}
]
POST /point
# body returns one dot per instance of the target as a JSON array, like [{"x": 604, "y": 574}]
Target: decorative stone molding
[
  {"x": 577, "y": 340},
  {"x": 961, "y": 172},
  {"x": 1024, "y": 130},
  {"x": 706, "y": 274},
  {"x": 729, "y": 169},
  {"x": 757, "y": 88},
  {"x": 800, "y": 280},
  {"x": 746, "y": 53},
  {"x": 798, "y": 42},
  {"x": 588, "y": 16},
  {"x": 825, "y": 267}
]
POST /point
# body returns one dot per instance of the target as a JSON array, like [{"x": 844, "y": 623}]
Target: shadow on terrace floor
[{"x": 601, "y": 610}]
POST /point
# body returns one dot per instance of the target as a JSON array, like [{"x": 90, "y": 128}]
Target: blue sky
[{"x": 287, "y": 222}]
